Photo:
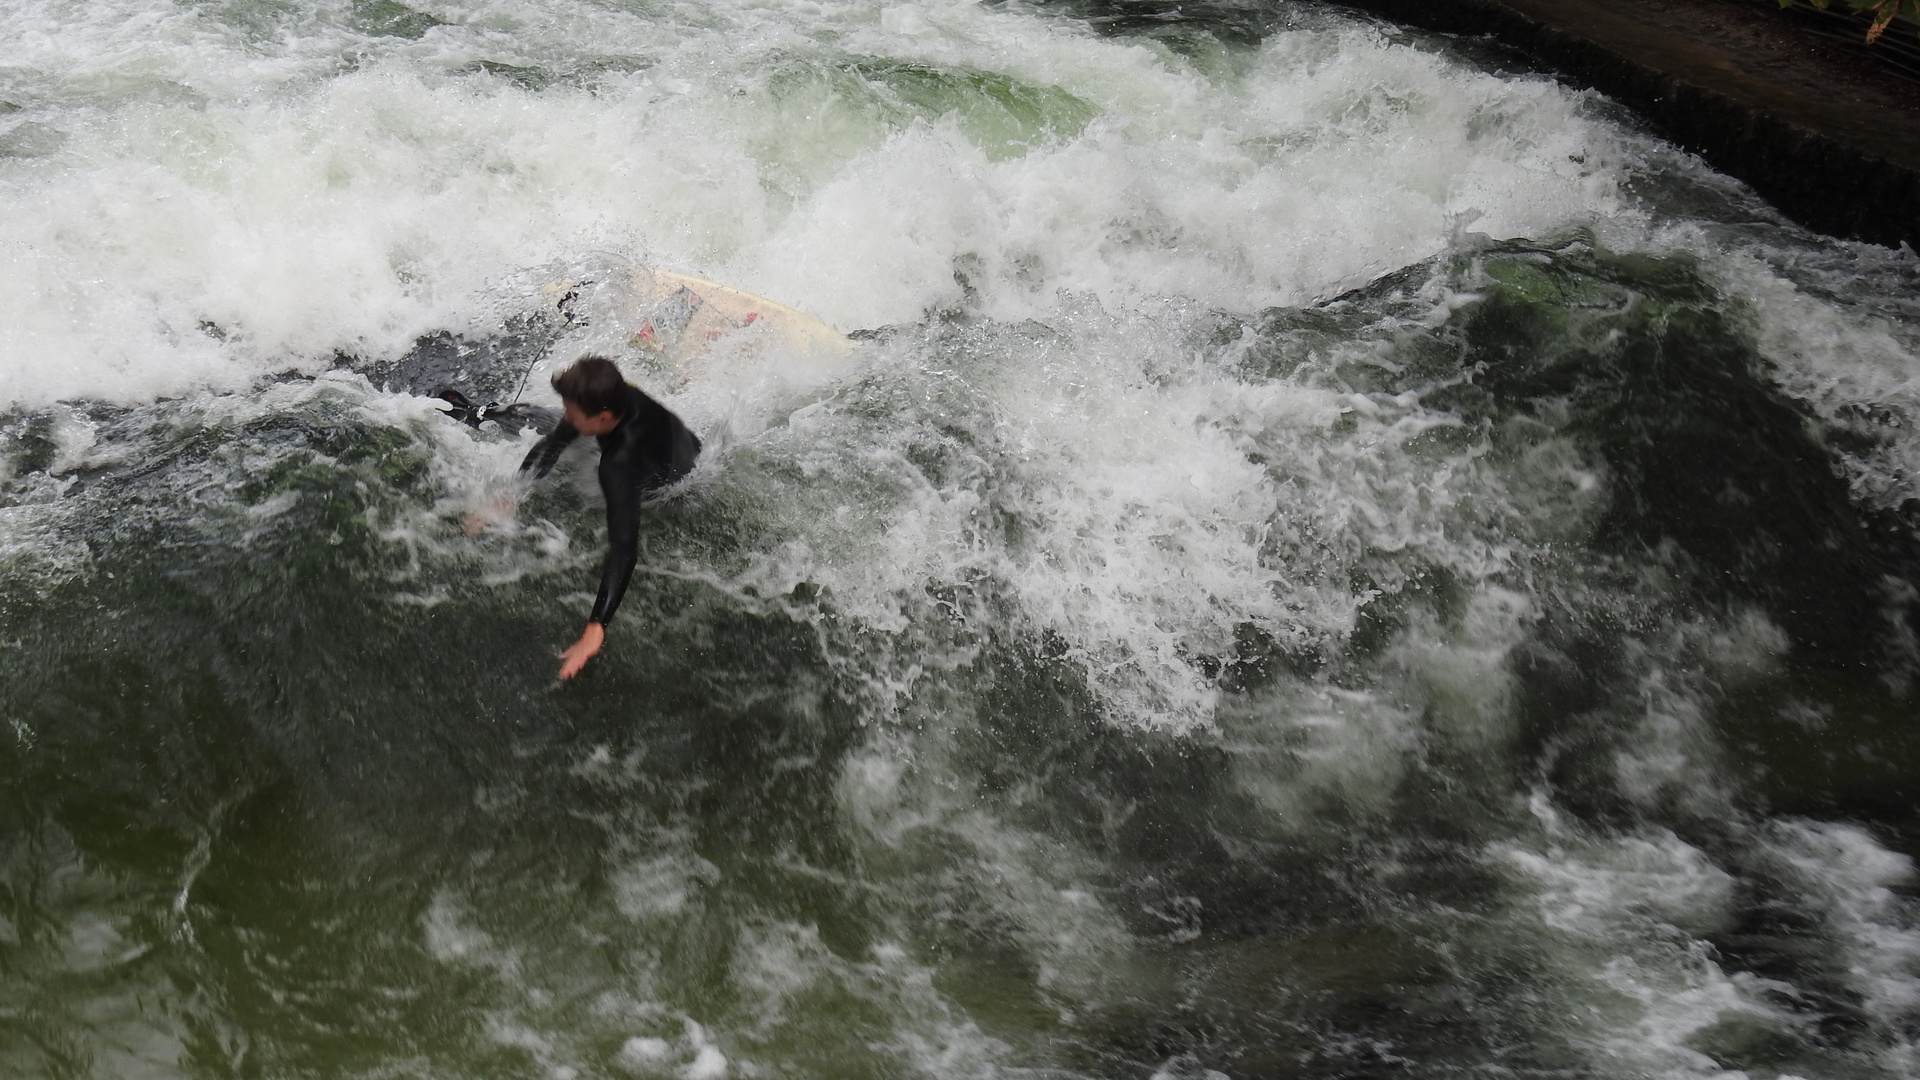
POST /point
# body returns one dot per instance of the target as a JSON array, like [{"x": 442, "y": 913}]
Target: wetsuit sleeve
[
  {"x": 623, "y": 549},
  {"x": 539, "y": 460}
]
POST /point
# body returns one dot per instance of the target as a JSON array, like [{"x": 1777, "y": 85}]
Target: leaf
[{"x": 1880, "y": 21}]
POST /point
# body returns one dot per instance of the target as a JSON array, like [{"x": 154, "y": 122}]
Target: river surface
[{"x": 1336, "y": 556}]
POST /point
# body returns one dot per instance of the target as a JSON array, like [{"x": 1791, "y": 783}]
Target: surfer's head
[{"x": 594, "y": 393}]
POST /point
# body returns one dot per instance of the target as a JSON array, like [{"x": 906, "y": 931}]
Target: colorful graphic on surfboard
[{"x": 677, "y": 317}]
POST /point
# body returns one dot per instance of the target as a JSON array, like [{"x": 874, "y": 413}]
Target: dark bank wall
[{"x": 1838, "y": 166}]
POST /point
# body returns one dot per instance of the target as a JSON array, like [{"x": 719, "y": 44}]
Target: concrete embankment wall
[{"x": 1835, "y": 148}]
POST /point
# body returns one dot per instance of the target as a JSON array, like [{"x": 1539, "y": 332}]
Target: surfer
[{"x": 643, "y": 447}]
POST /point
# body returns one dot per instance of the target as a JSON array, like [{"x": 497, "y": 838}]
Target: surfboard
[{"x": 678, "y": 318}]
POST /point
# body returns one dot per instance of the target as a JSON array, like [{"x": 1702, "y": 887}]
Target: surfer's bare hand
[
  {"x": 494, "y": 511},
  {"x": 581, "y": 651}
]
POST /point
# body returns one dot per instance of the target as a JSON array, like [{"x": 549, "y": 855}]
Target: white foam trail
[
  {"x": 1620, "y": 920},
  {"x": 1855, "y": 881},
  {"x": 1854, "y": 364}
]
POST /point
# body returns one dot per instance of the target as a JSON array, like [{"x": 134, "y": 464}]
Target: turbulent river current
[{"x": 1336, "y": 555}]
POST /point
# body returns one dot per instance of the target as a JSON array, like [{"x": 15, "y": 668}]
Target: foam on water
[
  {"x": 1637, "y": 1007},
  {"x": 1851, "y": 361},
  {"x": 228, "y": 202},
  {"x": 1852, "y": 880}
]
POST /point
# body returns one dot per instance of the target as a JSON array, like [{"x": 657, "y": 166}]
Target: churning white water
[
  {"x": 294, "y": 176},
  {"x": 1214, "y": 625}
]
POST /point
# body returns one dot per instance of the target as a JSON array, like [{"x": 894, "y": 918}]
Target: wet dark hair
[{"x": 594, "y": 384}]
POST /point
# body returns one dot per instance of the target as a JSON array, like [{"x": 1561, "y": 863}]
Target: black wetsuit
[{"x": 649, "y": 450}]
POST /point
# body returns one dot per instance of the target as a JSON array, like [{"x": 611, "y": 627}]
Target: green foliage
[{"x": 1883, "y": 12}]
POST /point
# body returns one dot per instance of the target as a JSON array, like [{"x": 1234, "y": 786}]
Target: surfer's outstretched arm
[
  {"x": 623, "y": 550},
  {"x": 623, "y": 554}
]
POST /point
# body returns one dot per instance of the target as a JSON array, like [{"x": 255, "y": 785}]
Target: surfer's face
[{"x": 598, "y": 424}]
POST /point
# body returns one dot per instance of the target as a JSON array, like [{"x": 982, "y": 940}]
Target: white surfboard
[{"x": 678, "y": 318}]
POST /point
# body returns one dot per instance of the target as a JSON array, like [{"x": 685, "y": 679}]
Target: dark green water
[{"x": 268, "y": 815}]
